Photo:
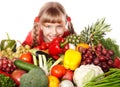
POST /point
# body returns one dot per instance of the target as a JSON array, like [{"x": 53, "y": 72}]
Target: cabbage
[{"x": 85, "y": 73}]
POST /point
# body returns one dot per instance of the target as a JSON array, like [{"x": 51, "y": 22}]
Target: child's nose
[{"x": 54, "y": 31}]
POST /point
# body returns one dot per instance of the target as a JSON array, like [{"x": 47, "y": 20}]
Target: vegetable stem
[
  {"x": 108, "y": 79},
  {"x": 58, "y": 61}
]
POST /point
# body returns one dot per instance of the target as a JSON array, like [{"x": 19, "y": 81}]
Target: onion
[
  {"x": 16, "y": 75},
  {"x": 66, "y": 83}
]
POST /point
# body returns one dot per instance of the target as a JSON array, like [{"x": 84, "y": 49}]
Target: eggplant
[{"x": 43, "y": 53}]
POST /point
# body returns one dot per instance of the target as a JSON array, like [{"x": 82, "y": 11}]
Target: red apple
[
  {"x": 16, "y": 75},
  {"x": 68, "y": 75}
]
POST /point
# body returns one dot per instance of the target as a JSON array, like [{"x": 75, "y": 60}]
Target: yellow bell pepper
[{"x": 72, "y": 59}]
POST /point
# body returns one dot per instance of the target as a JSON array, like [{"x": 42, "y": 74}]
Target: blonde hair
[{"x": 51, "y": 12}]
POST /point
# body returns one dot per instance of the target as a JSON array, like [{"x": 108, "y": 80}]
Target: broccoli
[
  {"x": 34, "y": 78},
  {"x": 6, "y": 81}
]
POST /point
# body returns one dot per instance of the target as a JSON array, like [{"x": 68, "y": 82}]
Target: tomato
[
  {"x": 58, "y": 71},
  {"x": 27, "y": 57}
]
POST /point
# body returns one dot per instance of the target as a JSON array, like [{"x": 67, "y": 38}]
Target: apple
[
  {"x": 68, "y": 75},
  {"x": 16, "y": 75}
]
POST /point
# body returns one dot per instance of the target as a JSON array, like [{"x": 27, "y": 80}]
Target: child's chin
[{"x": 51, "y": 39}]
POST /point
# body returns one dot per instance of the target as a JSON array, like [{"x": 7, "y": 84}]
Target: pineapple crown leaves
[{"x": 94, "y": 33}]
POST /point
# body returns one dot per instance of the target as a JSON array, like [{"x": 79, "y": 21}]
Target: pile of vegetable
[{"x": 87, "y": 59}]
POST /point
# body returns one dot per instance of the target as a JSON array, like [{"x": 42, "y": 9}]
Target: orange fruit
[
  {"x": 84, "y": 45},
  {"x": 53, "y": 81}
]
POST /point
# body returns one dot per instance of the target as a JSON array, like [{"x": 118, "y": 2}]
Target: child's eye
[
  {"x": 48, "y": 26},
  {"x": 59, "y": 26}
]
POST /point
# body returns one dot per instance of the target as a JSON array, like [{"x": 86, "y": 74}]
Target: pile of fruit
[{"x": 87, "y": 59}]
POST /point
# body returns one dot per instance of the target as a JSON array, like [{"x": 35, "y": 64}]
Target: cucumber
[{"x": 24, "y": 65}]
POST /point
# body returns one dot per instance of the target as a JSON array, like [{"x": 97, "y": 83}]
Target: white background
[{"x": 17, "y": 16}]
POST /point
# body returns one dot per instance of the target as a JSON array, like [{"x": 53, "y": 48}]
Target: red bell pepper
[
  {"x": 58, "y": 46},
  {"x": 43, "y": 46},
  {"x": 6, "y": 74},
  {"x": 116, "y": 63},
  {"x": 66, "y": 47}
]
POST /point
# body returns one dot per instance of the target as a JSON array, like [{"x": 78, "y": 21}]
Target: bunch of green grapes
[{"x": 19, "y": 50}]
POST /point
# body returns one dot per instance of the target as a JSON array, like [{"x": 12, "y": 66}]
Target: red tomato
[
  {"x": 58, "y": 71},
  {"x": 27, "y": 57}
]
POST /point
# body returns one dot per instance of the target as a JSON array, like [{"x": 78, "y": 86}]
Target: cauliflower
[{"x": 85, "y": 73}]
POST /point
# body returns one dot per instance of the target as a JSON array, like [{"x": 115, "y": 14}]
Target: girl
[{"x": 51, "y": 22}]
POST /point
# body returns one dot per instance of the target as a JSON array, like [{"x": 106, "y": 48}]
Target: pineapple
[
  {"x": 73, "y": 39},
  {"x": 94, "y": 33},
  {"x": 91, "y": 34}
]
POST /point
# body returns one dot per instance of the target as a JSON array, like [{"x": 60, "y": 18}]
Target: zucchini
[{"x": 24, "y": 65}]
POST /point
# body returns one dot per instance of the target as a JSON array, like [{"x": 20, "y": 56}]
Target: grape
[
  {"x": 83, "y": 57},
  {"x": 91, "y": 56},
  {"x": 27, "y": 47},
  {"x": 105, "y": 66},
  {"x": 99, "y": 49},
  {"x": 83, "y": 63},
  {"x": 111, "y": 52},
  {"x": 84, "y": 51},
  {"x": 86, "y": 55},
  {"x": 98, "y": 55},
  {"x": 19, "y": 50},
  {"x": 7, "y": 65},
  {"x": 88, "y": 60},
  {"x": 4, "y": 66},
  {"x": 8, "y": 69},
  {"x": 110, "y": 62},
  {"x": 96, "y": 61},
  {"x": 102, "y": 58},
  {"x": 8, "y": 49},
  {"x": 104, "y": 51}
]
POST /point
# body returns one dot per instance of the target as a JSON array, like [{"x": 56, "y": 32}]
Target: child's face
[{"x": 52, "y": 30}]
